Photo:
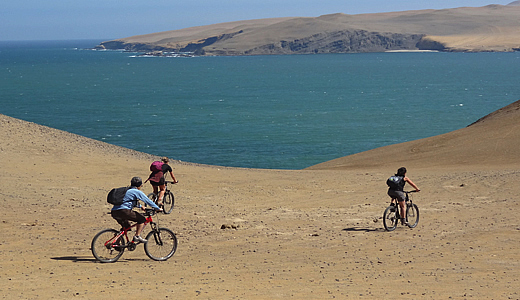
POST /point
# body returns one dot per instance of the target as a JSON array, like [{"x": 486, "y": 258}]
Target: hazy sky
[{"x": 111, "y": 19}]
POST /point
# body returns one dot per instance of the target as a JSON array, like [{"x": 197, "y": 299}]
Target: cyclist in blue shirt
[{"x": 123, "y": 213}]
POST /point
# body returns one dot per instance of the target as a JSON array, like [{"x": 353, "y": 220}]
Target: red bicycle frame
[{"x": 125, "y": 231}]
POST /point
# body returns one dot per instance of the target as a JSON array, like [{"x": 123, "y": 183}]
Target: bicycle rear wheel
[
  {"x": 412, "y": 215},
  {"x": 168, "y": 202},
  {"x": 390, "y": 218},
  {"x": 105, "y": 248},
  {"x": 161, "y": 244}
]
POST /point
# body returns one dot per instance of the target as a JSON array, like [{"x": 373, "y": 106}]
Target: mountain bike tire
[
  {"x": 103, "y": 248},
  {"x": 168, "y": 202},
  {"x": 412, "y": 215},
  {"x": 390, "y": 218},
  {"x": 161, "y": 244}
]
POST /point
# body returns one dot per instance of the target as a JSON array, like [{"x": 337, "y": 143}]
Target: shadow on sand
[
  {"x": 92, "y": 259},
  {"x": 75, "y": 258},
  {"x": 358, "y": 229}
]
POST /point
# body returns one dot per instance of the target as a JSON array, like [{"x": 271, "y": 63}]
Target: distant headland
[{"x": 492, "y": 28}]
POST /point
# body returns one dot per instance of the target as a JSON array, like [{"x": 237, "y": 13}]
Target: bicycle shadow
[
  {"x": 89, "y": 259},
  {"x": 75, "y": 258},
  {"x": 360, "y": 229}
]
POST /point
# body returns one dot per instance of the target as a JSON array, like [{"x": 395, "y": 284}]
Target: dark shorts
[
  {"x": 399, "y": 195},
  {"x": 123, "y": 216},
  {"x": 162, "y": 181}
]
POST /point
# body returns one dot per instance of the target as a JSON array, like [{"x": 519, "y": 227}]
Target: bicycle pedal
[{"x": 118, "y": 248}]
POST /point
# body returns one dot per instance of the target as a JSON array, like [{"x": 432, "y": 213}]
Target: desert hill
[
  {"x": 302, "y": 234},
  {"x": 488, "y": 28},
  {"x": 493, "y": 140}
]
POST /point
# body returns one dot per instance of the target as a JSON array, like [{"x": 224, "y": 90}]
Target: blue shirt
[{"x": 131, "y": 198}]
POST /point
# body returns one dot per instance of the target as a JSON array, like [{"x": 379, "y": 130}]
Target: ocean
[{"x": 276, "y": 112}]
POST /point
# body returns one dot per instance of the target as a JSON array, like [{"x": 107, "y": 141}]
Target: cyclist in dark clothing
[{"x": 396, "y": 192}]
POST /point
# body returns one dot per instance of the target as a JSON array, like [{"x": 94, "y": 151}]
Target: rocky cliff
[{"x": 471, "y": 29}]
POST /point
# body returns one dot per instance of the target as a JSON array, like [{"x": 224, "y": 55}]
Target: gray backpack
[
  {"x": 395, "y": 182},
  {"x": 116, "y": 195}
]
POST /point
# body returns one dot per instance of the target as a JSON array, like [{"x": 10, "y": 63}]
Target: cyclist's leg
[
  {"x": 154, "y": 187},
  {"x": 402, "y": 213},
  {"x": 401, "y": 197},
  {"x": 139, "y": 228},
  {"x": 396, "y": 196},
  {"x": 162, "y": 189},
  {"x": 140, "y": 219},
  {"x": 120, "y": 217},
  {"x": 130, "y": 215}
]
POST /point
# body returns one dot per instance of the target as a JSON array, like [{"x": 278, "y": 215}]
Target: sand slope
[{"x": 309, "y": 234}]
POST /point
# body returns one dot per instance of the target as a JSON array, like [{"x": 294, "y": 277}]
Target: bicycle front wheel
[
  {"x": 161, "y": 244},
  {"x": 105, "y": 248},
  {"x": 412, "y": 215},
  {"x": 390, "y": 218},
  {"x": 153, "y": 197},
  {"x": 168, "y": 202}
]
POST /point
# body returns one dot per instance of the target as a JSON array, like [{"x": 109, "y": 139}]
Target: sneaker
[
  {"x": 403, "y": 221},
  {"x": 139, "y": 239}
]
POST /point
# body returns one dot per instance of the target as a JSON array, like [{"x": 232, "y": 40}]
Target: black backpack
[
  {"x": 395, "y": 182},
  {"x": 116, "y": 195}
]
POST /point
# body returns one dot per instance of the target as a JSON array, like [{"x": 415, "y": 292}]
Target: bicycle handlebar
[{"x": 150, "y": 211}]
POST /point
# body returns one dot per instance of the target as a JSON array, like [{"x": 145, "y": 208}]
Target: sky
[{"x": 112, "y": 19}]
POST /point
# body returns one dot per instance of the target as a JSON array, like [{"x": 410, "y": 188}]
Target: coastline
[{"x": 412, "y": 51}]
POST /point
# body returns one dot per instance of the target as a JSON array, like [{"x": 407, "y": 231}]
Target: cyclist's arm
[
  {"x": 146, "y": 200},
  {"x": 169, "y": 169},
  {"x": 411, "y": 183},
  {"x": 173, "y": 177}
]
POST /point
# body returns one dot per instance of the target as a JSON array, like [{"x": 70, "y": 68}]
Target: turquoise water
[{"x": 283, "y": 112}]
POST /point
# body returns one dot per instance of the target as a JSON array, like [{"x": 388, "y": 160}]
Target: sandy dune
[
  {"x": 308, "y": 234},
  {"x": 488, "y": 28}
]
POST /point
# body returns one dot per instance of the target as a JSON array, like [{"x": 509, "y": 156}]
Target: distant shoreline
[{"x": 413, "y": 51}]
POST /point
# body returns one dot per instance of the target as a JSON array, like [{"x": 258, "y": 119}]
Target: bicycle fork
[{"x": 156, "y": 235}]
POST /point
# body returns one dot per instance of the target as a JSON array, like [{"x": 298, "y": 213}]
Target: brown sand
[{"x": 308, "y": 234}]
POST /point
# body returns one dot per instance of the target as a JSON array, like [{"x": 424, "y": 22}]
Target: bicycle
[
  {"x": 168, "y": 198},
  {"x": 108, "y": 245},
  {"x": 391, "y": 215}
]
